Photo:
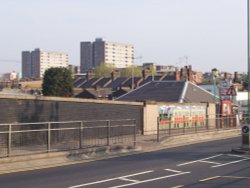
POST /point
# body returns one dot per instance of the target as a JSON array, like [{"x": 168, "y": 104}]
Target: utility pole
[{"x": 133, "y": 72}]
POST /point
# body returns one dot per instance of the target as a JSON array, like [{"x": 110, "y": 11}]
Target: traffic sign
[
  {"x": 223, "y": 88},
  {"x": 245, "y": 129}
]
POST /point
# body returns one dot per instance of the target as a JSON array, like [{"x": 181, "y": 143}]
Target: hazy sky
[{"x": 212, "y": 33}]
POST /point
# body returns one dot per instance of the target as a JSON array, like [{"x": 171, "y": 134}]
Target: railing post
[
  {"x": 195, "y": 124},
  {"x": 134, "y": 133},
  {"x": 80, "y": 135},
  {"x": 183, "y": 124},
  {"x": 9, "y": 140},
  {"x": 158, "y": 129},
  {"x": 206, "y": 124},
  {"x": 49, "y": 137},
  {"x": 108, "y": 132},
  {"x": 169, "y": 127}
]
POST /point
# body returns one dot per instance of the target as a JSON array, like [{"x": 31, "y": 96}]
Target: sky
[{"x": 210, "y": 33}]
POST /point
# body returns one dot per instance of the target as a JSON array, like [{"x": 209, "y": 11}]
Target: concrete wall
[
  {"x": 150, "y": 118},
  {"x": 42, "y": 109},
  {"x": 24, "y": 109},
  {"x": 151, "y": 113},
  {"x": 211, "y": 114}
]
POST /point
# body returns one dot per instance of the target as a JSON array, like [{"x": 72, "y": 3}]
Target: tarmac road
[{"x": 207, "y": 164}]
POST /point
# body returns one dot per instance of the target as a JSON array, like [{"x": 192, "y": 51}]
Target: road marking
[
  {"x": 232, "y": 177},
  {"x": 210, "y": 162},
  {"x": 208, "y": 179},
  {"x": 238, "y": 156},
  {"x": 235, "y": 177},
  {"x": 199, "y": 160},
  {"x": 230, "y": 163},
  {"x": 178, "y": 186},
  {"x": 126, "y": 179},
  {"x": 149, "y": 180},
  {"x": 134, "y": 182},
  {"x": 106, "y": 180},
  {"x": 176, "y": 171}
]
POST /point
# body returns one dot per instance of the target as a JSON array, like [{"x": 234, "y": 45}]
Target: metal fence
[
  {"x": 166, "y": 127},
  {"x": 30, "y": 138}
]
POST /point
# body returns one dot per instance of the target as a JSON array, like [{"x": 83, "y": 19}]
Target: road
[{"x": 200, "y": 165}]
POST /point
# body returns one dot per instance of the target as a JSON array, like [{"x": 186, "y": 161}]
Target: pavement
[{"x": 144, "y": 143}]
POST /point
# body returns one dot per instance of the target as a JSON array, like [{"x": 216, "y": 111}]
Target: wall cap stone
[{"x": 67, "y": 99}]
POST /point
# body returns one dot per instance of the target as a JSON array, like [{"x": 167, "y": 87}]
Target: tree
[
  {"x": 103, "y": 70},
  {"x": 57, "y": 82},
  {"x": 127, "y": 72},
  {"x": 245, "y": 81}
]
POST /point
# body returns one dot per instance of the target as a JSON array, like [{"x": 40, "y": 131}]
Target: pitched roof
[
  {"x": 128, "y": 83},
  {"x": 117, "y": 83},
  {"x": 149, "y": 79},
  {"x": 169, "y": 91},
  {"x": 89, "y": 83},
  {"x": 102, "y": 82},
  {"x": 94, "y": 94},
  {"x": 195, "y": 93},
  {"x": 79, "y": 82},
  {"x": 161, "y": 91}
]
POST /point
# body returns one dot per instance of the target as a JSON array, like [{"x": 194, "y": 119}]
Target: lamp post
[
  {"x": 248, "y": 59},
  {"x": 215, "y": 74}
]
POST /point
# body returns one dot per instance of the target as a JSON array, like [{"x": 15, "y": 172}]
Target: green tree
[
  {"x": 127, "y": 72},
  {"x": 245, "y": 81},
  {"x": 57, "y": 82},
  {"x": 103, "y": 70}
]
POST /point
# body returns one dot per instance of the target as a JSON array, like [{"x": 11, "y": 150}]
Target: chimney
[
  {"x": 115, "y": 74},
  {"x": 190, "y": 73},
  {"x": 146, "y": 72},
  {"x": 184, "y": 73},
  {"x": 177, "y": 74},
  {"x": 225, "y": 76},
  {"x": 236, "y": 79},
  {"x": 90, "y": 75}
]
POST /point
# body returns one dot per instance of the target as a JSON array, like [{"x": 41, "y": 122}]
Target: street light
[
  {"x": 215, "y": 74},
  {"x": 248, "y": 58}
]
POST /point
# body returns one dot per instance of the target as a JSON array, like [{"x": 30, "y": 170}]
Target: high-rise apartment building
[
  {"x": 99, "y": 52},
  {"x": 35, "y": 63}
]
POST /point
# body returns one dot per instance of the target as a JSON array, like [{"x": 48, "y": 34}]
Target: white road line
[
  {"x": 210, "y": 162},
  {"x": 229, "y": 163},
  {"x": 149, "y": 180},
  {"x": 125, "y": 179},
  {"x": 173, "y": 170},
  {"x": 199, "y": 160},
  {"x": 244, "y": 157},
  {"x": 107, "y": 180}
]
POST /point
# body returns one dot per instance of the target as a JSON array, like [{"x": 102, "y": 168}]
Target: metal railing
[
  {"x": 166, "y": 127},
  {"x": 30, "y": 138}
]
